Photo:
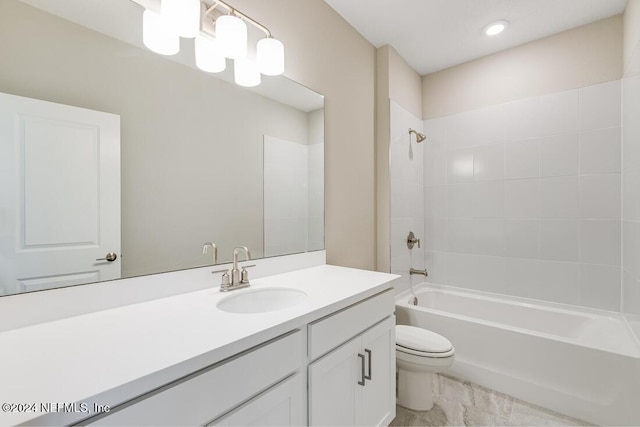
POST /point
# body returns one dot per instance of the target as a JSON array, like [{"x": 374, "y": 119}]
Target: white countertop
[{"x": 112, "y": 356}]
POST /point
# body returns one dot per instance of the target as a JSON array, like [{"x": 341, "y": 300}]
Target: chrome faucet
[
  {"x": 236, "y": 280},
  {"x": 239, "y": 279},
  {"x": 214, "y": 248},
  {"x": 413, "y": 271}
]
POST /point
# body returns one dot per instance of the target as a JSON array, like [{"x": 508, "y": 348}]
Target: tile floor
[{"x": 461, "y": 403}]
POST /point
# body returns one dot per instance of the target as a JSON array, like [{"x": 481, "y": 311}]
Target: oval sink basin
[{"x": 262, "y": 300}]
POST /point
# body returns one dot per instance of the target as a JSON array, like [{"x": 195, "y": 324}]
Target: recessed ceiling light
[{"x": 495, "y": 27}]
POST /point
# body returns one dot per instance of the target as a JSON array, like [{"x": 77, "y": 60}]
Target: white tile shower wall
[
  {"x": 286, "y": 190},
  {"x": 408, "y": 196},
  {"x": 316, "y": 180},
  {"x": 316, "y": 197},
  {"x": 631, "y": 186},
  {"x": 529, "y": 198}
]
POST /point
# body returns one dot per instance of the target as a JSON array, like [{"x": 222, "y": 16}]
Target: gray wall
[
  {"x": 326, "y": 54},
  {"x": 579, "y": 57}
]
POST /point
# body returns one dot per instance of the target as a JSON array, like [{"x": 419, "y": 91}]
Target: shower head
[{"x": 419, "y": 136}]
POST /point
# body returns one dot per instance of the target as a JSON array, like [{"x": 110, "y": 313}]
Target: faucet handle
[
  {"x": 244, "y": 274},
  {"x": 225, "y": 278},
  {"x": 412, "y": 240}
]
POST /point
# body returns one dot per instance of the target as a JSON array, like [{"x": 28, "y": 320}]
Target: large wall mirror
[{"x": 106, "y": 147}]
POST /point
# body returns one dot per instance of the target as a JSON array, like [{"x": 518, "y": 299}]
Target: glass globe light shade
[
  {"x": 183, "y": 16},
  {"x": 270, "y": 53},
  {"x": 246, "y": 72},
  {"x": 231, "y": 33},
  {"x": 208, "y": 56},
  {"x": 157, "y": 36}
]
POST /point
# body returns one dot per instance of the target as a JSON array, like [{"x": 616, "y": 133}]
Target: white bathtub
[{"x": 581, "y": 362}]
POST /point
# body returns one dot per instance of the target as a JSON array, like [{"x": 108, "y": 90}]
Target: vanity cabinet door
[
  {"x": 281, "y": 405},
  {"x": 354, "y": 385},
  {"x": 379, "y": 392},
  {"x": 333, "y": 383}
]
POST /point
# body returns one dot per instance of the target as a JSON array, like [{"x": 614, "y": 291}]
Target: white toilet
[{"x": 419, "y": 354}]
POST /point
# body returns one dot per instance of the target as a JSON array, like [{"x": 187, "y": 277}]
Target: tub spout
[{"x": 416, "y": 271}]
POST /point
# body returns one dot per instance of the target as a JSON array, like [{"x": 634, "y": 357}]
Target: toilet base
[{"x": 415, "y": 390}]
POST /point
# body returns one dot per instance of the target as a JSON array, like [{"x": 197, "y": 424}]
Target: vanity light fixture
[
  {"x": 246, "y": 72},
  {"x": 157, "y": 35},
  {"x": 270, "y": 54},
  {"x": 495, "y": 27},
  {"x": 231, "y": 33},
  {"x": 195, "y": 19},
  {"x": 209, "y": 58},
  {"x": 183, "y": 16}
]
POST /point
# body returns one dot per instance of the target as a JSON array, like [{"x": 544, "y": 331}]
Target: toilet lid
[{"x": 420, "y": 339}]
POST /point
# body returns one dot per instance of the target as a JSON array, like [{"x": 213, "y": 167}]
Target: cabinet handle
[
  {"x": 368, "y": 377},
  {"x": 361, "y": 356}
]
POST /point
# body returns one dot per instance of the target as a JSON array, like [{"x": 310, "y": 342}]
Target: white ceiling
[{"x": 432, "y": 35}]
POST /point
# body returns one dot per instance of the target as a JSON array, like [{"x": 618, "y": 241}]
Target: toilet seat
[
  {"x": 422, "y": 343},
  {"x": 426, "y": 354}
]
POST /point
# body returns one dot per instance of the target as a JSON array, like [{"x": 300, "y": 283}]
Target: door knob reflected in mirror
[{"x": 111, "y": 256}]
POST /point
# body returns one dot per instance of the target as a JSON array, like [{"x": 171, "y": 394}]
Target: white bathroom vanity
[{"x": 327, "y": 358}]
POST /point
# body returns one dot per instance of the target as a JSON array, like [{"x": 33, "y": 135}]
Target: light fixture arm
[{"x": 236, "y": 12}]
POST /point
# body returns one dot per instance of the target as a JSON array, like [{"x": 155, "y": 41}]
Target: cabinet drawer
[
  {"x": 331, "y": 331},
  {"x": 205, "y": 395},
  {"x": 279, "y": 406}
]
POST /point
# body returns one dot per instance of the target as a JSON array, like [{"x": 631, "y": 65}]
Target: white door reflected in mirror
[{"x": 61, "y": 198}]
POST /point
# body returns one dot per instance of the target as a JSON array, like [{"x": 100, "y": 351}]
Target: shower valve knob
[{"x": 411, "y": 240}]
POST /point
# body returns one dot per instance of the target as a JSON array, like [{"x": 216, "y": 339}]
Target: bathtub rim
[{"x": 401, "y": 299}]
